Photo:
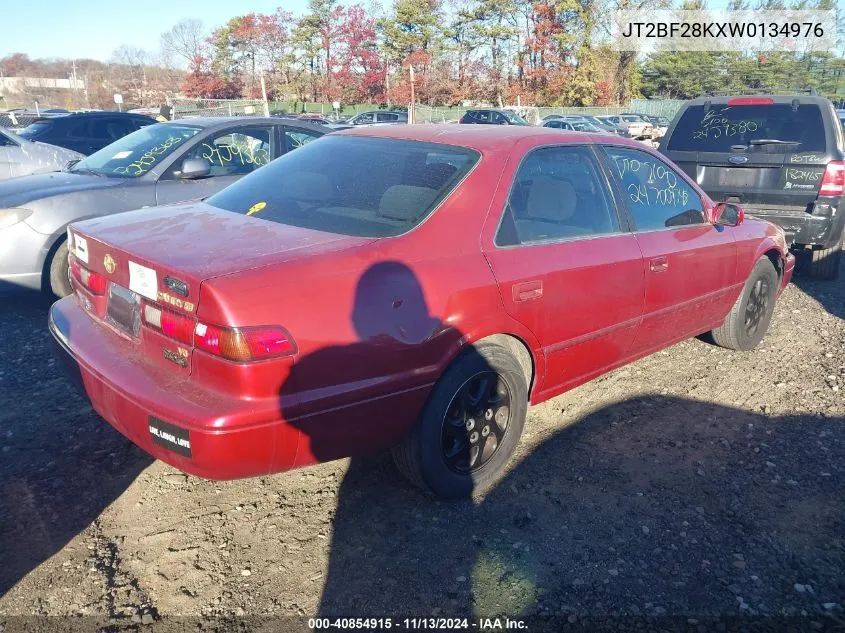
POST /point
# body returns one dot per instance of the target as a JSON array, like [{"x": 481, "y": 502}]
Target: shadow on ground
[
  {"x": 648, "y": 506},
  {"x": 60, "y": 464},
  {"x": 828, "y": 293}
]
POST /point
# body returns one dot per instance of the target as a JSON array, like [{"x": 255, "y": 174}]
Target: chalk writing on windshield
[
  {"x": 149, "y": 158},
  {"x": 715, "y": 124},
  {"x": 227, "y": 154}
]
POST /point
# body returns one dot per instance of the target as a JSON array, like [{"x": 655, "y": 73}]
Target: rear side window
[
  {"x": 557, "y": 194},
  {"x": 658, "y": 197},
  {"x": 723, "y": 126},
  {"x": 369, "y": 187}
]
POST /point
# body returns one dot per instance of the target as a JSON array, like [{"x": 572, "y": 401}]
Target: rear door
[
  {"x": 767, "y": 154},
  {"x": 233, "y": 153},
  {"x": 689, "y": 264},
  {"x": 567, "y": 267}
]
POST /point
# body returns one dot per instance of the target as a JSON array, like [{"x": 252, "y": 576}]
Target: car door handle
[
  {"x": 527, "y": 290},
  {"x": 659, "y": 264}
]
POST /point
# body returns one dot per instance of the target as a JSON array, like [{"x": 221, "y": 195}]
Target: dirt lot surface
[{"x": 696, "y": 481}]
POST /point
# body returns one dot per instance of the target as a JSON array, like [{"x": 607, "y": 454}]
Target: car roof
[
  {"x": 783, "y": 98},
  {"x": 214, "y": 122},
  {"x": 482, "y": 137}
]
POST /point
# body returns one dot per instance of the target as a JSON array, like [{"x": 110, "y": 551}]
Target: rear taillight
[
  {"x": 243, "y": 344},
  {"x": 463, "y": 119},
  {"x": 833, "y": 180},
  {"x": 176, "y": 326},
  {"x": 750, "y": 101},
  {"x": 95, "y": 282}
]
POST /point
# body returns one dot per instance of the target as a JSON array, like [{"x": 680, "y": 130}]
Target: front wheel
[
  {"x": 749, "y": 318},
  {"x": 470, "y": 426},
  {"x": 58, "y": 282}
]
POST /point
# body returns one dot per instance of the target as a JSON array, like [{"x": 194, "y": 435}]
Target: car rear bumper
[
  {"x": 800, "y": 227},
  {"x": 207, "y": 433},
  {"x": 226, "y": 437}
]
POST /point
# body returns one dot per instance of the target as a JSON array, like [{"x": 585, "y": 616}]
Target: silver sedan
[{"x": 19, "y": 157}]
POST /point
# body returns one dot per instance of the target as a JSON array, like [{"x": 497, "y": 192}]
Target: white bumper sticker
[
  {"x": 80, "y": 247},
  {"x": 143, "y": 281}
]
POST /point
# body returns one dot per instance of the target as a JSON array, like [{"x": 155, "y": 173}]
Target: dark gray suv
[{"x": 779, "y": 156}]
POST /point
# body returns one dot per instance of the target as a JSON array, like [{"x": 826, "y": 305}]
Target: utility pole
[
  {"x": 74, "y": 82},
  {"x": 412, "y": 111},
  {"x": 264, "y": 95}
]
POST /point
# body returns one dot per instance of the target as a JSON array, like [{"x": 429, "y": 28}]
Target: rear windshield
[
  {"x": 34, "y": 129},
  {"x": 369, "y": 187},
  {"x": 723, "y": 126}
]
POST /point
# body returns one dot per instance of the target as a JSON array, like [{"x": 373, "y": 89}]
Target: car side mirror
[
  {"x": 193, "y": 168},
  {"x": 727, "y": 214}
]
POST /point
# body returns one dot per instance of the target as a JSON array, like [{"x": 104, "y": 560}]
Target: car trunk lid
[{"x": 149, "y": 265}]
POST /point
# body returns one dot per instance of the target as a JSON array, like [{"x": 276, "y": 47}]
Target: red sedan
[{"x": 410, "y": 288}]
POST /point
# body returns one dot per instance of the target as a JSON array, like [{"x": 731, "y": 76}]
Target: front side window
[
  {"x": 235, "y": 152},
  {"x": 658, "y": 197},
  {"x": 363, "y": 186},
  {"x": 5, "y": 141},
  {"x": 135, "y": 154},
  {"x": 558, "y": 193}
]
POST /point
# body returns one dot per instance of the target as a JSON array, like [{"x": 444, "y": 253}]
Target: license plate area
[
  {"x": 738, "y": 177},
  {"x": 124, "y": 310}
]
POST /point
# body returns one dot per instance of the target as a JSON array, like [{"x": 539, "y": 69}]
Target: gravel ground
[{"x": 697, "y": 481}]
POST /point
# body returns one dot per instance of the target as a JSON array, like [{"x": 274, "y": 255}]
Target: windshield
[
  {"x": 368, "y": 187},
  {"x": 34, "y": 129},
  {"x": 723, "y": 126},
  {"x": 513, "y": 117},
  {"x": 137, "y": 153}
]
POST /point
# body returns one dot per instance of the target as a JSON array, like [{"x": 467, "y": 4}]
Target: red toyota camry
[{"x": 410, "y": 288}]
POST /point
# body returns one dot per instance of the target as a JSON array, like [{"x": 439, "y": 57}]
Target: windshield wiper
[
  {"x": 86, "y": 171},
  {"x": 772, "y": 141}
]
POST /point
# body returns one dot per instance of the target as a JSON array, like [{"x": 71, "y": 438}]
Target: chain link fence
[{"x": 194, "y": 108}]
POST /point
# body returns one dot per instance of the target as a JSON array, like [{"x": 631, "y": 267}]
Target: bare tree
[
  {"x": 129, "y": 72},
  {"x": 185, "y": 41}
]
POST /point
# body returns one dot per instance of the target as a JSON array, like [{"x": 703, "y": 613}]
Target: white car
[
  {"x": 20, "y": 157},
  {"x": 634, "y": 124}
]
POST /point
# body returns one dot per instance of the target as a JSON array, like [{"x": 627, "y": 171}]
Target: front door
[
  {"x": 690, "y": 265},
  {"x": 566, "y": 268},
  {"x": 232, "y": 153}
]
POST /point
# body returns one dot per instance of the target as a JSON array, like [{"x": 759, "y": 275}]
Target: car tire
[
  {"x": 425, "y": 457},
  {"x": 824, "y": 262},
  {"x": 747, "y": 322},
  {"x": 58, "y": 282}
]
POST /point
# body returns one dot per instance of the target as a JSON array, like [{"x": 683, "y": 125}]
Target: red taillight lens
[
  {"x": 750, "y": 101},
  {"x": 95, "y": 282},
  {"x": 243, "y": 344},
  {"x": 463, "y": 119},
  {"x": 833, "y": 180},
  {"x": 176, "y": 326}
]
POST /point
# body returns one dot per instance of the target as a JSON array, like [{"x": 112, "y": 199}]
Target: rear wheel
[
  {"x": 470, "y": 426},
  {"x": 824, "y": 262},
  {"x": 58, "y": 282},
  {"x": 749, "y": 318}
]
